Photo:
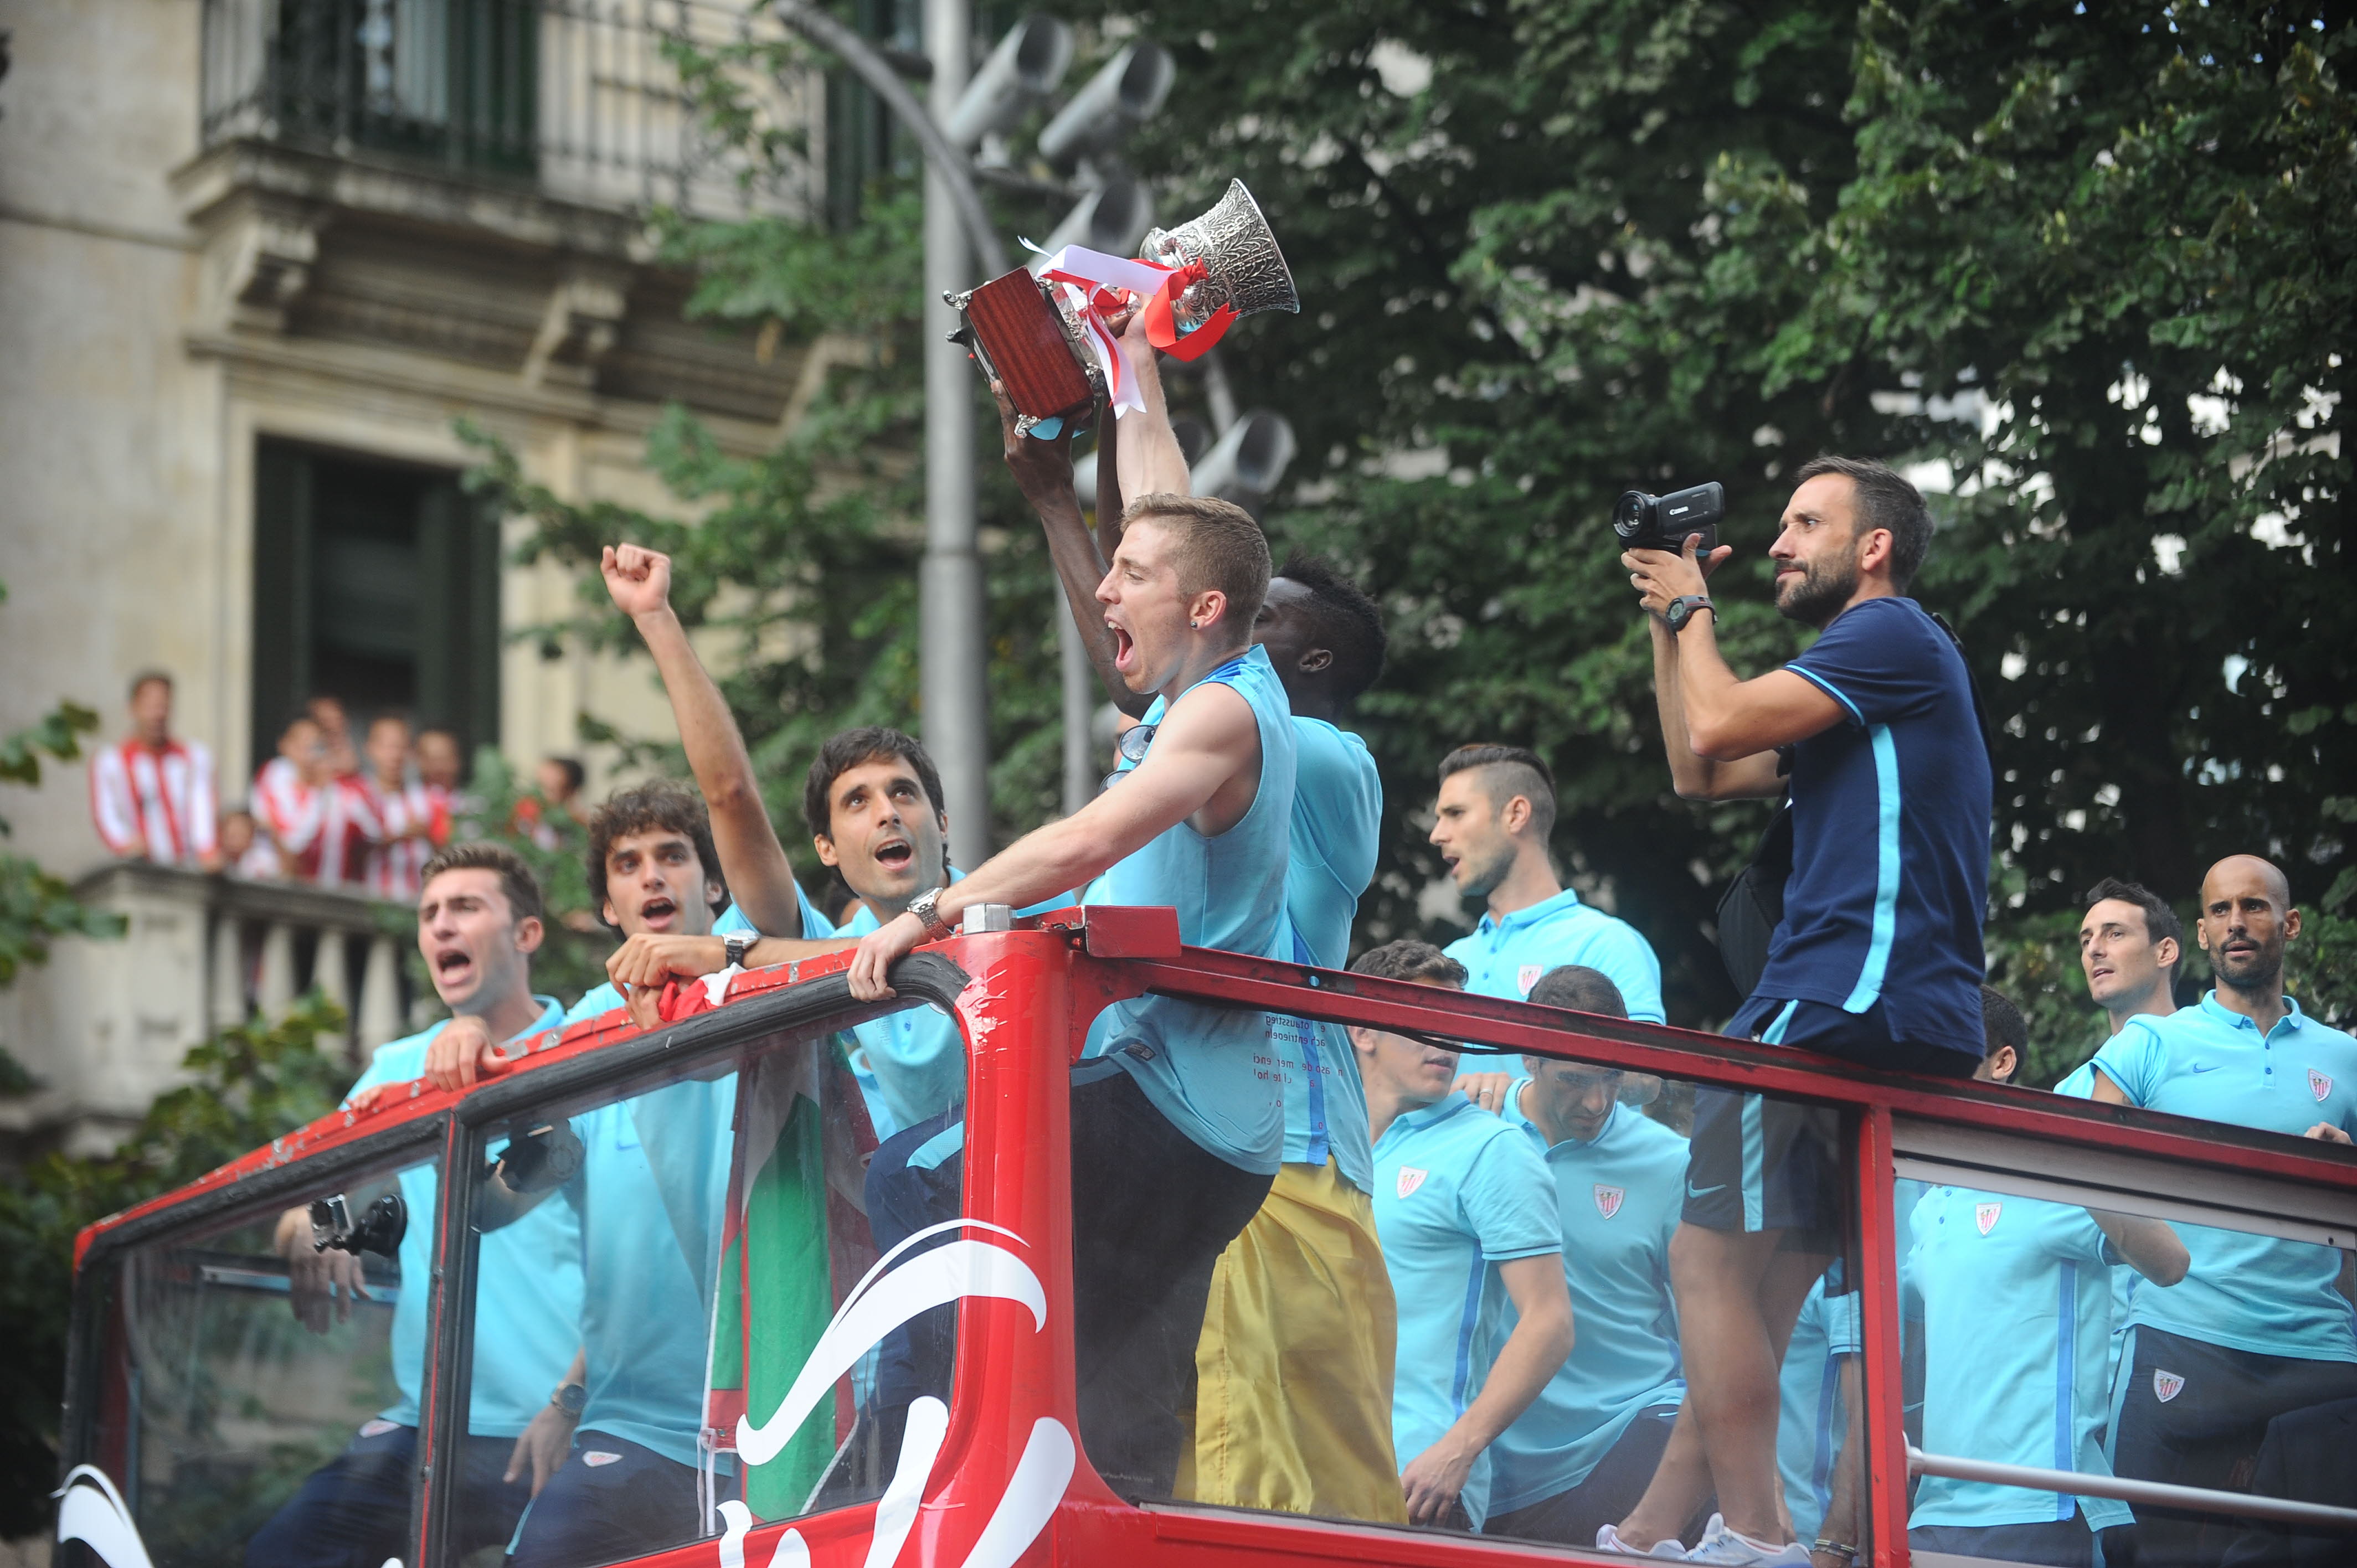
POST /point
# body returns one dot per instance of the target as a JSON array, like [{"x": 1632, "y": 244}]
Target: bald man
[{"x": 2260, "y": 1325}]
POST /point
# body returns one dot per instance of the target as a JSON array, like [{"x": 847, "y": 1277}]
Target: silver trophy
[{"x": 1241, "y": 266}]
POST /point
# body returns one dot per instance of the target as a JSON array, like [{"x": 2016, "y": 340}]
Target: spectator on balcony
[
  {"x": 290, "y": 796},
  {"x": 441, "y": 765},
  {"x": 555, "y": 799},
  {"x": 2260, "y": 1325},
  {"x": 247, "y": 851},
  {"x": 1491, "y": 823},
  {"x": 152, "y": 795},
  {"x": 2013, "y": 1298},
  {"x": 1460, "y": 1196},
  {"x": 411, "y": 825},
  {"x": 1581, "y": 1456},
  {"x": 478, "y": 923}
]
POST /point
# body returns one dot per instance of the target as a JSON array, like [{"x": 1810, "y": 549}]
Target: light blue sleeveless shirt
[{"x": 1196, "y": 1063}]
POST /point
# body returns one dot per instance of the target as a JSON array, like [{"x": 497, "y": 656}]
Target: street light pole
[{"x": 952, "y": 650}]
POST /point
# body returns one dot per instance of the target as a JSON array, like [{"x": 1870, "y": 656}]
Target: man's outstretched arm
[
  {"x": 1211, "y": 740},
  {"x": 751, "y": 858}
]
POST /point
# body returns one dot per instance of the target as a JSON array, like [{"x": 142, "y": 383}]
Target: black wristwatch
[
  {"x": 1682, "y": 609},
  {"x": 569, "y": 1397},
  {"x": 736, "y": 944}
]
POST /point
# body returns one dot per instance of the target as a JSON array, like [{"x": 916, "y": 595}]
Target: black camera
[
  {"x": 1662, "y": 522},
  {"x": 379, "y": 1229}
]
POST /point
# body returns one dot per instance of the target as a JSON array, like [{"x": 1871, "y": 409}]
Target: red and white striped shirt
[
  {"x": 394, "y": 869},
  {"x": 350, "y": 833},
  {"x": 294, "y": 811},
  {"x": 156, "y": 805}
]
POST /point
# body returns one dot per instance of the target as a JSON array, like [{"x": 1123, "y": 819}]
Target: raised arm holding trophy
[{"x": 1046, "y": 340}]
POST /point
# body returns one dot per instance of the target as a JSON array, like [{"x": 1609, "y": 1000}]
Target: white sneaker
[
  {"x": 1609, "y": 1539},
  {"x": 1722, "y": 1545}
]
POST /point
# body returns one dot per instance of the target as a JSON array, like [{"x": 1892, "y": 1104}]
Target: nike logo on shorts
[{"x": 1693, "y": 1191}]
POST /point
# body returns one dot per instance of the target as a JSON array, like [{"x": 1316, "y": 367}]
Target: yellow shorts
[{"x": 1293, "y": 1402}]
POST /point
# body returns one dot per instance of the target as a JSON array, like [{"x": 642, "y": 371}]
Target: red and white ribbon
[{"x": 1098, "y": 285}]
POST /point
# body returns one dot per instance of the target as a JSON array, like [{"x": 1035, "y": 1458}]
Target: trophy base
[{"x": 1023, "y": 338}]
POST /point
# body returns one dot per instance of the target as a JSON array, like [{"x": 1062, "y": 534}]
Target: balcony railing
[
  {"x": 105, "y": 1029},
  {"x": 580, "y": 98}
]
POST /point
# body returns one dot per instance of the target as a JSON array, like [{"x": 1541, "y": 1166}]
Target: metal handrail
[{"x": 2154, "y": 1494}]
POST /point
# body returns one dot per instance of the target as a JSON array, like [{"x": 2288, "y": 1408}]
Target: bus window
[
  {"x": 2091, "y": 1364},
  {"x": 257, "y": 1393},
  {"x": 666, "y": 1258}
]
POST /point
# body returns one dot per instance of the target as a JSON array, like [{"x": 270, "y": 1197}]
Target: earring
[{"x": 1195, "y": 624}]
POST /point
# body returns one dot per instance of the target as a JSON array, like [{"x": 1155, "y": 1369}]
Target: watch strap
[{"x": 924, "y": 906}]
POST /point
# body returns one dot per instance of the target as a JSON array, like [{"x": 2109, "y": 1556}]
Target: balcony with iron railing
[{"x": 583, "y": 101}]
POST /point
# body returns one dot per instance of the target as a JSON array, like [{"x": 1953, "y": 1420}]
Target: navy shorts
[
  {"x": 2192, "y": 1413},
  {"x": 1758, "y": 1163}
]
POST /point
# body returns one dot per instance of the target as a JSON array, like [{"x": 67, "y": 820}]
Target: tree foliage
[
  {"x": 246, "y": 1085},
  {"x": 2091, "y": 271}
]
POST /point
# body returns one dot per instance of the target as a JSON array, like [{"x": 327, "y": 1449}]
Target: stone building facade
[{"x": 256, "y": 258}]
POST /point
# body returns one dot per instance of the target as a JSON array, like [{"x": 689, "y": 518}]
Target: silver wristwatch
[
  {"x": 736, "y": 944},
  {"x": 922, "y": 907}
]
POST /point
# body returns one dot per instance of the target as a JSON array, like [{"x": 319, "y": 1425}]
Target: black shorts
[{"x": 1757, "y": 1163}]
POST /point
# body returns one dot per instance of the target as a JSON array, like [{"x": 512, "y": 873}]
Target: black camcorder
[{"x": 1662, "y": 522}]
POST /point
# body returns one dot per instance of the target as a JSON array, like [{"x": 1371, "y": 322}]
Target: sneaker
[
  {"x": 1722, "y": 1545},
  {"x": 1609, "y": 1539}
]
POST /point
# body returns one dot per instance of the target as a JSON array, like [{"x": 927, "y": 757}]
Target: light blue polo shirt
[
  {"x": 2245, "y": 1292},
  {"x": 652, "y": 1198},
  {"x": 2017, "y": 1308},
  {"x": 1458, "y": 1192},
  {"x": 1616, "y": 1200},
  {"x": 528, "y": 1291},
  {"x": 1505, "y": 957},
  {"x": 1195, "y": 1063},
  {"x": 2080, "y": 1084},
  {"x": 1813, "y": 1419}
]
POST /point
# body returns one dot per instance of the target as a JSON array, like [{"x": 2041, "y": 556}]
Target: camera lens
[{"x": 1629, "y": 513}]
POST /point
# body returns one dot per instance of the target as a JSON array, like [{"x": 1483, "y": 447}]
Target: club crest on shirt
[
  {"x": 1528, "y": 976},
  {"x": 2166, "y": 1386},
  {"x": 2319, "y": 1084},
  {"x": 1985, "y": 1216},
  {"x": 1607, "y": 1199},
  {"x": 1410, "y": 1179}
]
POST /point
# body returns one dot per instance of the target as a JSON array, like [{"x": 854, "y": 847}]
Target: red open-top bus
[{"x": 199, "y": 1403}]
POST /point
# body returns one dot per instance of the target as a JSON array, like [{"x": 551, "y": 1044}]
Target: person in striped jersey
[
  {"x": 152, "y": 796},
  {"x": 290, "y": 797},
  {"x": 411, "y": 819}
]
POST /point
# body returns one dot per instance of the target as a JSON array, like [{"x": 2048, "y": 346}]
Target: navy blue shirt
[{"x": 1890, "y": 834}]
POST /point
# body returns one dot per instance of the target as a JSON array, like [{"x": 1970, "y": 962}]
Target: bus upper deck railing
[{"x": 1023, "y": 999}]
